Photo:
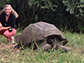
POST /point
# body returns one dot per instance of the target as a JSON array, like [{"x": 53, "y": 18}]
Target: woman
[{"x": 7, "y": 21}]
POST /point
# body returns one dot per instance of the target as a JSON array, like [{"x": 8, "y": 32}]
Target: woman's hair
[{"x": 12, "y": 10}]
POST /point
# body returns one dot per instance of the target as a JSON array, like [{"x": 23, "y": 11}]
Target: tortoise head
[
  {"x": 58, "y": 38},
  {"x": 17, "y": 38}
]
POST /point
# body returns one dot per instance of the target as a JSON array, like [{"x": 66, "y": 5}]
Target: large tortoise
[{"x": 42, "y": 34}]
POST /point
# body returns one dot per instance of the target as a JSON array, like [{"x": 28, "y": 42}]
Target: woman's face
[{"x": 8, "y": 10}]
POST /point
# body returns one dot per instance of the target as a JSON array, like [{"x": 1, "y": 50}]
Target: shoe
[{"x": 12, "y": 39}]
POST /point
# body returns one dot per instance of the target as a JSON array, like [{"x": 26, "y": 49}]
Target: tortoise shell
[{"x": 39, "y": 31}]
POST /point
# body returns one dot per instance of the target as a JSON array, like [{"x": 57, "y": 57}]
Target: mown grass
[{"x": 75, "y": 55}]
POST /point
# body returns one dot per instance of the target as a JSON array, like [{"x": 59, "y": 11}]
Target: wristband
[{"x": 10, "y": 29}]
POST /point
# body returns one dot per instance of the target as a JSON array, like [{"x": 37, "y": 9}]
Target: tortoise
[{"x": 43, "y": 35}]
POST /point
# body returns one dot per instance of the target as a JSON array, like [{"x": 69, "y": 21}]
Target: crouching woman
[{"x": 7, "y": 22}]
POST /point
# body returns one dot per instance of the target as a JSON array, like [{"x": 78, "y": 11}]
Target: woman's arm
[{"x": 3, "y": 28}]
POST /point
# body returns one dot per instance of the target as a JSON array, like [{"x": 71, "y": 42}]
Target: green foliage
[
  {"x": 38, "y": 7},
  {"x": 3, "y": 2},
  {"x": 75, "y": 7},
  {"x": 43, "y": 4}
]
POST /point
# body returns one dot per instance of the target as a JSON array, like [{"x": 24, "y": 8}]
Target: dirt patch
[
  {"x": 7, "y": 46},
  {"x": 6, "y": 49}
]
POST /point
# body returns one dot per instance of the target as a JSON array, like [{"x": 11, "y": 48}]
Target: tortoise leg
[
  {"x": 17, "y": 46},
  {"x": 45, "y": 47},
  {"x": 62, "y": 48}
]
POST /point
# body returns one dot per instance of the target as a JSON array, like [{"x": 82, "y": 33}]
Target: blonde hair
[{"x": 12, "y": 10}]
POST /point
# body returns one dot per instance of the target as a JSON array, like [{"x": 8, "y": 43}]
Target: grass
[{"x": 75, "y": 55}]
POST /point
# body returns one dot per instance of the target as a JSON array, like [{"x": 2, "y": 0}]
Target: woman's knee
[
  {"x": 13, "y": 31},
  {"x": 7, "y": 33}
]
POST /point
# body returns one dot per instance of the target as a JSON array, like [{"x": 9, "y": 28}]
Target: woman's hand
[
  {"x": 4, "y": 28},
  {"x": 0, "y": 24},
  {"x": 8, "y": 27},
  {"x": 0, "y": 28}
]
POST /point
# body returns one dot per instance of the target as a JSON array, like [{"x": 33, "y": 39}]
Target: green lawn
[{"x": 75, "y": 55}]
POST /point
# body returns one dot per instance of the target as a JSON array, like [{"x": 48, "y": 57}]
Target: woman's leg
[
  {"x": 13, "y": 31},
  {"x": 2, "y": 31},
  {"x": 8, "y": 34}
]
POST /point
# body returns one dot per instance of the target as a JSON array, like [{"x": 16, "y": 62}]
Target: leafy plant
[{"x": 75, "y": 7}]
